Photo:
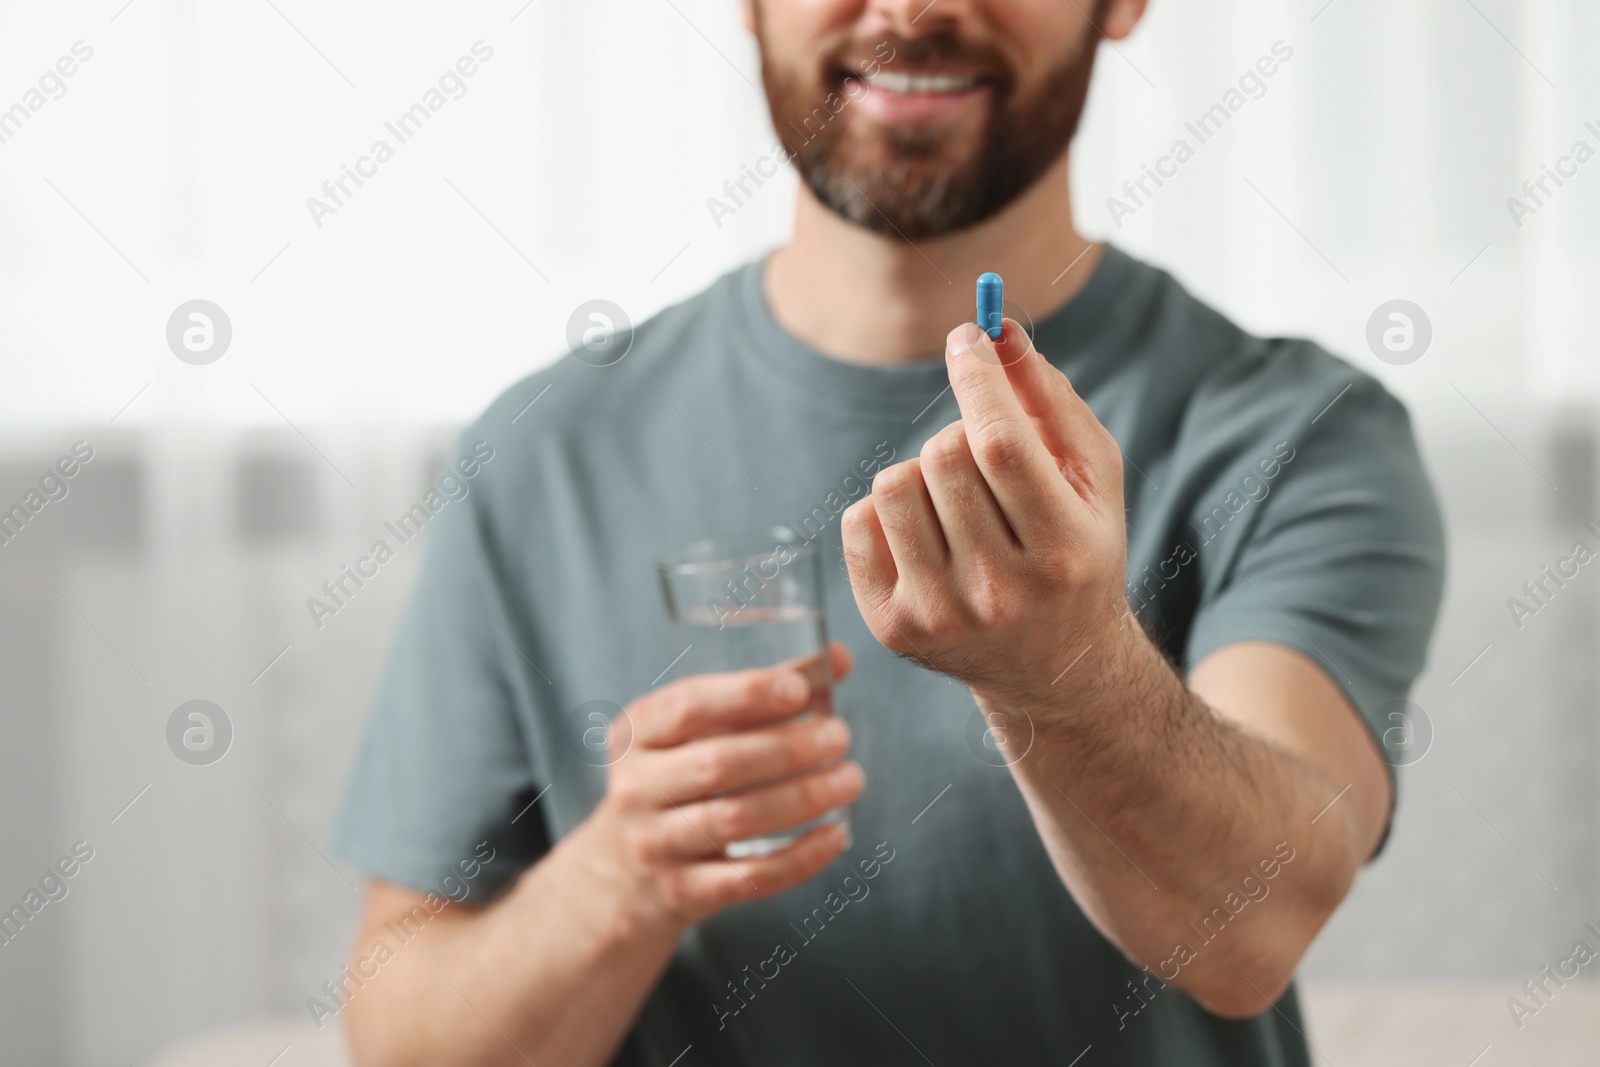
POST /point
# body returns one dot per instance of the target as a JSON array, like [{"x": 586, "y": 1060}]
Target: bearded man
[{"x": 1120, "y": 624}]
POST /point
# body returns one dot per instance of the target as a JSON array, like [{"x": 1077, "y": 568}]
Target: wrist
[
  {"x": 1100, "y": 724},
  {"x": 1089, "y": 665},
  {"x": 617, "y": 899}
]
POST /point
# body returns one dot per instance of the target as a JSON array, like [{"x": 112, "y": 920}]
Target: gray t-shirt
[{"x": 1274, "y": 493}]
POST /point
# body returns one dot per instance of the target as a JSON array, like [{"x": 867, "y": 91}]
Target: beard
[{"x": 922, "y": 181}]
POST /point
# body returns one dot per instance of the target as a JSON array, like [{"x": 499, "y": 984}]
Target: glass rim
[{"x": 725, "y": 553}]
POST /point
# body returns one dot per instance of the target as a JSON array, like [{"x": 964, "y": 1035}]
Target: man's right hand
[
  {"x": 560, "y": 964},
  {"x": 717, "y": 758}
]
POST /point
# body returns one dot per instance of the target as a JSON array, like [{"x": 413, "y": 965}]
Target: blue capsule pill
[{"x": 991, "y": 304}]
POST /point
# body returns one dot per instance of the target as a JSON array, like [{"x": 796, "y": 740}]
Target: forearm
[
  {"x": 556, "y": 970},
  {"x": 999, "y": 557},
  {"x": 1155, "y": 811},
  {"x": 553, "y": 972}
]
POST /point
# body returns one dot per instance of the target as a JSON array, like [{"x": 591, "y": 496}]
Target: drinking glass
[{"x": 752, "y": 600}]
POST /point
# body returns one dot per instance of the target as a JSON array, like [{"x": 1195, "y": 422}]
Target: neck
[{"x": 870, "y": 298}]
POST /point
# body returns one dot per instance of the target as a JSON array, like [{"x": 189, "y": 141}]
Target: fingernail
[
  {"x": 789, "y": 687},
  {"x": 831, "y": 731},
  {"x": 967, "y": 339},
  {"x": 965, "y": 336}
]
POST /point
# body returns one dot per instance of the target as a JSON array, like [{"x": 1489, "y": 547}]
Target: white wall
[{"x": 194, "y": 137}]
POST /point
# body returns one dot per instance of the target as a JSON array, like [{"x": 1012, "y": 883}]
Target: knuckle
[
  {"x": 756, "y": 688},
  {"x": 730, "y": 818},
  {"x": 626, "y": 790},
  {"x": 869, "y": 567},
  {"x": 843, "y": 736},
  {"x": 799, "y": 747},
  {"x": 674, "y": 709},
  {"x": 857, "y": 556},
  {"x": 896, "y": 482},
  {"x": 945, "y": 450},
  {"x": 854, "y": 518},
  {"x": 711, "y": 768},
  {"x": 819, "y": 741},
  {"x": 1000, "y": 446},
  {"x": 730, "y": 891},
  {"x": 813, "y": 793}
]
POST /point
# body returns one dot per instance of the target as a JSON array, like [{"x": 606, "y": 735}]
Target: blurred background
[{"x": 1379, "y": 163}]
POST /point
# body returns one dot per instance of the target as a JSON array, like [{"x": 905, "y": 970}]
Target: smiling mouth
[{"x": 933, "y": 84}]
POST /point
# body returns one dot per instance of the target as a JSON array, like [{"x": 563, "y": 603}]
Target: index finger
[
  {"x": 735, "y": 700},
  {"x": 1020, "y": 470}
]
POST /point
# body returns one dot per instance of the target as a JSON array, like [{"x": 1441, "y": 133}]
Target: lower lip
[{"x": 902, "y": 109}]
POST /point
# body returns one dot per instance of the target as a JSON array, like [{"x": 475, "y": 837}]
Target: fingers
[
  {"x": 910, "y": 524},
  {"x": 723, "y": 764},
  {"x": 821, "y": 671},
  {"x": 716, "y": 884},
  {"x": 841, "y": 661},
  {"x": 866, "y": 555},
  {"x": 704, "y": 829},
  {"x": 716, "y": 703},
  {"x": 1071, "y": 431},
  {"x": 1024, "y": 476},
  {"x": 716, "y": 764},
  {"x": 966, "y": 506},
  {"x": 706, "y": 703}
]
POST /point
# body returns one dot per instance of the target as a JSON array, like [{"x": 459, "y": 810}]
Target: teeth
[{"x": 921, "y": 83}]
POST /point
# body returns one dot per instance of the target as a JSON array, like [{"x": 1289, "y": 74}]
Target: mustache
[{"x": 893, "y": 51}]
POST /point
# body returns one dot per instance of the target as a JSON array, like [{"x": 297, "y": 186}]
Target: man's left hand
[{"x": 998, "y": 555}]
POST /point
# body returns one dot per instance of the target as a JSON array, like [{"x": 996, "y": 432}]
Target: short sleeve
[
  {"x": 1342, "y": 558},
  {"x": 442, "y": 777}
]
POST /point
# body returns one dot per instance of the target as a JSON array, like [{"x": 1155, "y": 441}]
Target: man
[{"x": 1119, "y": 626}]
